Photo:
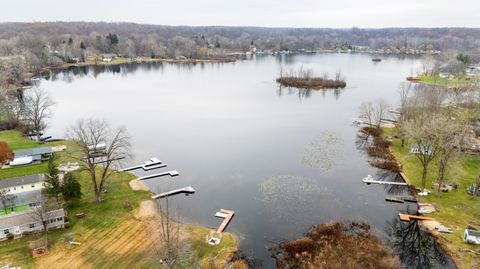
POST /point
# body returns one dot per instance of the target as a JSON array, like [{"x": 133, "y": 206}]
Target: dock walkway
[
  {"x": 227, "y": 215},
  {"x": 186, "y": 190},
  {"x": 172, "y": 173}
]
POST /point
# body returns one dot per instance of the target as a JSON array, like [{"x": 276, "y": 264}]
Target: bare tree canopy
[
  {"x": 103, "y": 149},
  {"x": 37, "y": 109}
]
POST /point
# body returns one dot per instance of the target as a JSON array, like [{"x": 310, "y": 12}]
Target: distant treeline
[{"x": 63, "y": 42}]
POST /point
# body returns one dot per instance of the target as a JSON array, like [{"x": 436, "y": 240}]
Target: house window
[
  {"x": 22, "y": 187},
  {"x": 14, "y": 188},
  {"x": 31, "y": 225},
  {"x": 33, "y": 185},
  {"x": 59, "y": 219},
  {"x": 6, "y": 231}
]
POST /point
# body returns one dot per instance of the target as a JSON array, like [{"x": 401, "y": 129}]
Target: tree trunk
[{"x": 424, "y": 177}]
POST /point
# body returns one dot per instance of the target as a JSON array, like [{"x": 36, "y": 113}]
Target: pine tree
[
  {"x": 82, "y": 45},
  {"x": 53, "y": 187},
  {"x": 71, "y": 189}
]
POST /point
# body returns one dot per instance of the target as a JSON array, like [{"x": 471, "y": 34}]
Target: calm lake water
[{"x": 282, "y": 159}]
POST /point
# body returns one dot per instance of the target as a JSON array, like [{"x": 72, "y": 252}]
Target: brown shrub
[
  {"x": 373, "y": 131},
  {"x": 390, "y": 165},
  {"x": 336, "y": 245},
  {"x": 311, "y": 83},
  {"x": 6, "y": 154}
]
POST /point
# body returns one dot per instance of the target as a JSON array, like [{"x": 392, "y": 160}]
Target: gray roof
[
  {"x": 32, "y": 152},
  {"x": 18, "y": 181},
  {"x": 27, "y": 217}
]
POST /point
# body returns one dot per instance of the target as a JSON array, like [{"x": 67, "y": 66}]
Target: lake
[{"x": 282, "y": 159}]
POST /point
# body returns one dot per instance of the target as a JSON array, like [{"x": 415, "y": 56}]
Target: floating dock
[
  {"x": 151, "y": 164},
  {"x": 187, "y": 190},
  {"x": 227, "y": 215},
  {"x": 172, "y": 173},
  {"x": 407, "y": 217}
]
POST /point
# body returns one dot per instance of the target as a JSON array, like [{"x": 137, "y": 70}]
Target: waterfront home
[
  {"x": 18, "y": 185},
  {"x": 34, "y": 155},
  {"x": 29, "y": 221}
]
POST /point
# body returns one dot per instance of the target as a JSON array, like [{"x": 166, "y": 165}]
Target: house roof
[
  {"x": 33, "y": 152},
  {"x": 27, "y": 217},
  {"x": 18, "y": 181}
]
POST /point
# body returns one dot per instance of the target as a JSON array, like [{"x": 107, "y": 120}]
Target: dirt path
[{"x": 137, "y": 185}]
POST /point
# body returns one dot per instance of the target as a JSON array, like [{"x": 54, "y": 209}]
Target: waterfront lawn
[
  {"x": 109, "y": 234},
  {"x": 457, "y": 209},
  {"x": 443, "y": 82},
  {"x": 16, "y": 140}
]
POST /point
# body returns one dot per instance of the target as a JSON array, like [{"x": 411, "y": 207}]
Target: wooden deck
[
  {"x": 227, "y": 215},
  {"x": 407, "y": 217},
  {"x": 370, "y": 181},
  {"x": 186, "y": 190}
]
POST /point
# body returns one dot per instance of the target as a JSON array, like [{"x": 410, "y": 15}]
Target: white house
[
  {"x": 29, "y": 222},
  {"x": 23, "y": 184}
]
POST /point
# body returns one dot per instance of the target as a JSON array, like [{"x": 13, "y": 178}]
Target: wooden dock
[
  {"x": 400, "y": 199},
  {"x": 227, "y": 215},
  {"x": 172, "y": 173},
  {"x": 371, "y": 181},
  {"x": 186, "y": 190},
  {"x": 407, "y": 217}
]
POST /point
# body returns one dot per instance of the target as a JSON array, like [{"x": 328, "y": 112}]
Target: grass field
[
  {"x": 457, "y": 209},
  {"x": 111, "y": 235},
  {"x": 444, "y": 82}
]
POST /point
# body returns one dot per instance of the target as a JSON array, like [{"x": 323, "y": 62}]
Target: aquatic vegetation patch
[{"x": 323, "y": 152}]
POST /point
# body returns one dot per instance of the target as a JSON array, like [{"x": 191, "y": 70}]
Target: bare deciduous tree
[
  {"x": 424, "y": 133},
  {"x": 169, "y": 230},
  {"x": 6, "y": 199},
  {"x": 103, "y": 149},
  {"x": 37, "y": 109},
  {"x": 373, "y": 113}
]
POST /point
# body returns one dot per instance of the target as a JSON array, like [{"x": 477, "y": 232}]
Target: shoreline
[
  {"x": 429, "y": 226},
  {"x": 149, "y": 212}
]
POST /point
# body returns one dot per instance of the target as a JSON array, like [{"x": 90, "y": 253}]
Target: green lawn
[
  {"x": 444, "y": 82},
  {"x": 456, "y": 209},
  {"x": 16, "y": 140},
  {"x": 106, "y": 231},
  {"x": 19, "y": 208}
]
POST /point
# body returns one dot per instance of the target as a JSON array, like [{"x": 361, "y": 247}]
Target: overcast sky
[{"x": 276, "y": 13}]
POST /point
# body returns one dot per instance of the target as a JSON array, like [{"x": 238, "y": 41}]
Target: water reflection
[
  {"x": 307, "y": 93},
  {"x": 416, "y": 247}
]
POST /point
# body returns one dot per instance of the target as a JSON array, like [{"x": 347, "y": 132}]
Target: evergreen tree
[
  {"x": 70, "y": 41},
  {"x": 53, "y": 187},
  {"x": 82, "y": 45},
  {"x": 71, "y": 189}
]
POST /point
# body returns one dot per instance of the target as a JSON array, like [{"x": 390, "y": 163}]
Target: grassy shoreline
[
  {"x": 112, "y": 235},
  {"x": 457, "y": 209}
]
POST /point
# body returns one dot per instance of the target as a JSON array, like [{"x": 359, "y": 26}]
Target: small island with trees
[{"x": 305, "y": 79}]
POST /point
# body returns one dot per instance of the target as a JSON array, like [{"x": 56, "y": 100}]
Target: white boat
[
  {"x": 21, "y": 161},
  {"x": 368, "y": 179}
]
